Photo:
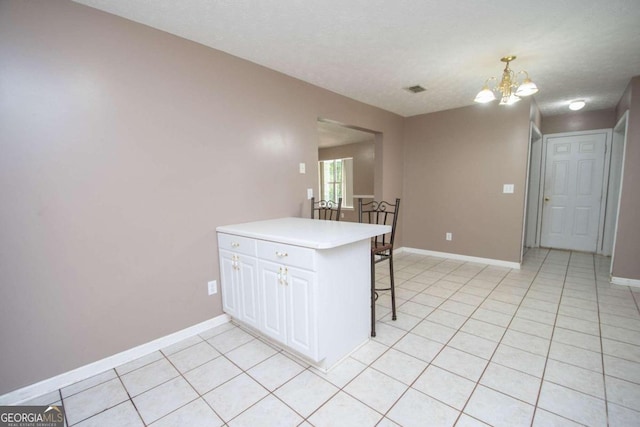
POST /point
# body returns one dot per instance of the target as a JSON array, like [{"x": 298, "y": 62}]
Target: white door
[{"x": 573, "y": 191}]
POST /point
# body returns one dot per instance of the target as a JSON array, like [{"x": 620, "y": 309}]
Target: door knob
[{"x": 546, "y": 199}]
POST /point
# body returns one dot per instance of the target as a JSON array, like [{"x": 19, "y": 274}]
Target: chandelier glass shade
[{"x": 509, "y": 89}]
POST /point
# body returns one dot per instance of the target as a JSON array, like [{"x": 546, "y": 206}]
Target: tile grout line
[
  {"x": 635, "y": 299},
  {"x": 567, "y": 265},
  {"x": 269, "y": 392},
  {"x": 604, "y": 369},
  {"x": 129, "y": 394},
  {"x": 445, "y": 344},
  {"x": 181, "y": 375},
  {"x": 384, "y": 415},
  {"x": 546, "y": 361},
  {"x": 409, "y": 386},
  {"x": 460, "y": 412},
  {"x": 547, "y": 358},
  {"x": 500, "y": 342},
  {"x": 97, "y": 385},
  {"x": 506, "y": 328},
  {"x": 66, "y": 420},
  {"x": 243, "y": 371}
]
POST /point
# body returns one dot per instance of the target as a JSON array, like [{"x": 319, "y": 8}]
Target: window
[{"x": 336, "y": 180}]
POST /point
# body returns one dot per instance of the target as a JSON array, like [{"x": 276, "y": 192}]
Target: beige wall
[
  {"x": 454, "y": 176},
  {"x": 626, "y": 262},
  {"x": 363, "y": 155},
  {"x": 579, "y": 121},
  {"x": 123, "y": 148}
]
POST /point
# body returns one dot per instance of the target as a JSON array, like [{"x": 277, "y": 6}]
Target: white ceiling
[{"x": 369, "y": 50}]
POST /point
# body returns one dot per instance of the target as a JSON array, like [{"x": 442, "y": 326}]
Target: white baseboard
[
  {"x": 489, "y": 261},
  {"x": 625, "y": 282},
  {"x": 59, "y": 381}
]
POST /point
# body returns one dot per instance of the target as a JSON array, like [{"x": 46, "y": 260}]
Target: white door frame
[
  {"x": 605, "y": 183},
  {"x": 622, "y": 123},
  {"x": 532, "y": 187}
]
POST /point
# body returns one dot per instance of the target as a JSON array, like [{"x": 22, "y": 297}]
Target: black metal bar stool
[{"x": 382, "y": 213}]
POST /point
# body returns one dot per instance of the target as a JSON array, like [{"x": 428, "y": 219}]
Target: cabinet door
[
  {"x": 272, "y": 300},
  {"x": 228, "y": 283},
  {"x": 302, "y": 326},
  {"x": 248, "y": 290}
]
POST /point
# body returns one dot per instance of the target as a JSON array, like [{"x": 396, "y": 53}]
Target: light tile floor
[{"x": 552, "y": 344}]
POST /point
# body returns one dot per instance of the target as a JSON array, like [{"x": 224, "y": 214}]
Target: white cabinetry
[
  {"x": 272, "y": 300},
  {"x": 288, "y": 296},
  {"x": 239, "y": 278},
  {"x": 302, "y": 328},
  {"x": 302, "y": 283}
]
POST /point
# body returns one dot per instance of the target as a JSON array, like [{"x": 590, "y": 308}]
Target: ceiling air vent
[{"x": 415, "y": 89}]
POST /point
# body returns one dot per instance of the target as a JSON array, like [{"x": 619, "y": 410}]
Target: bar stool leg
[
  {"x": 373, "y": 297},
  {"x": 393, "y": 288}
]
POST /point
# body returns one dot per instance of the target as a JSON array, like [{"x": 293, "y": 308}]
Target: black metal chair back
[
  {"x": 326, "y": 209},
  {"x": 381, "y": 213}
]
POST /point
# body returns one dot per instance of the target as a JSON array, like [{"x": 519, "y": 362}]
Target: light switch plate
[
  {"x": 303, "y": 168},
  {"x": 508, "y": 188},
  {"x": 309, "y": 193}
]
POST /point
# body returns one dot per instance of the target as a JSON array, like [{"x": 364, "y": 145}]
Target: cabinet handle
[
  {"x": 235, "y": 245},
  {"x": 282, "y": 276},
  {"x": 281, "y": 254}
]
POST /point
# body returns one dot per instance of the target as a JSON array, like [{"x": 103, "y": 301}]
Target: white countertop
[{"x": 306, "y": 232}]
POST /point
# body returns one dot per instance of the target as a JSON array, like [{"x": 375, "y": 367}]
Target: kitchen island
[{"x": 302, "y": 283}]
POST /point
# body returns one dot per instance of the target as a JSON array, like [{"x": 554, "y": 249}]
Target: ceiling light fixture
[
  {"x": 576, "y": 105},
  {"x": 509, "y": 88}
]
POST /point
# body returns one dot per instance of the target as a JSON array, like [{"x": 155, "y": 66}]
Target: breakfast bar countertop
[{"x": 306, "y": 232}]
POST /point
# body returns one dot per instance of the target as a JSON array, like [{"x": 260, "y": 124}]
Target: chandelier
[{"x": 510, "y": 89}]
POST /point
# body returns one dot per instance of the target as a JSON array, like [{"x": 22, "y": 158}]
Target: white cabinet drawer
[
  {"x": 286, "y": 254},
  {"x": 243, "y": 245}
]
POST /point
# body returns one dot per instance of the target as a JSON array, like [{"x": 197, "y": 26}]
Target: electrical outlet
[
  {"x": 309, "y": 193},
  {"x": 449, "y": 236},
  {"x": 212, "y": 287}
]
